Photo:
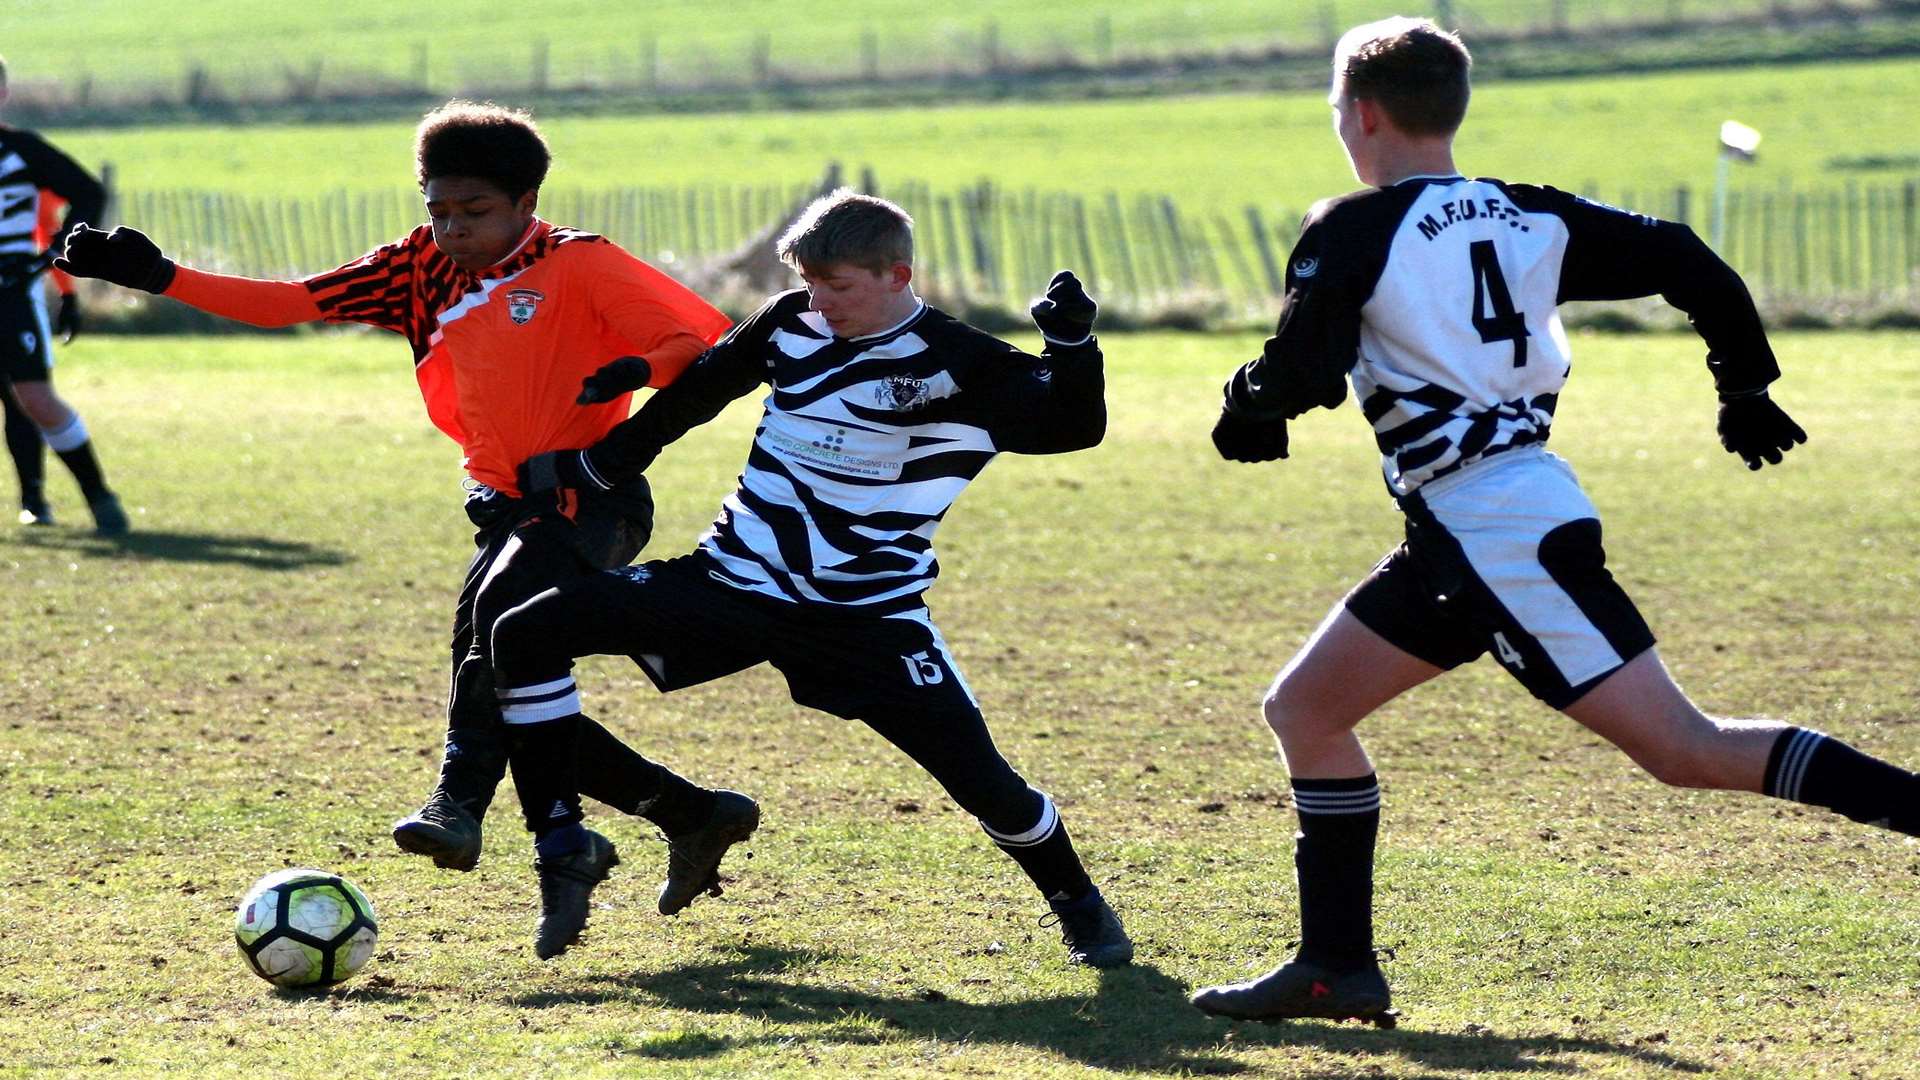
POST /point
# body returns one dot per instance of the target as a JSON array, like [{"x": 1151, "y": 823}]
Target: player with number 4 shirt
[{"x": 1437, "y": 295}]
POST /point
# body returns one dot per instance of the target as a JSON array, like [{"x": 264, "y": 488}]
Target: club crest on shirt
[
  {"x": 1306, "y": 268},
  {"x": 902, "y": 393},
  {"x": 521, "y": 305}
]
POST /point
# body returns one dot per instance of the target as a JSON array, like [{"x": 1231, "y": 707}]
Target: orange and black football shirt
[{"x": 499, "y": 354}]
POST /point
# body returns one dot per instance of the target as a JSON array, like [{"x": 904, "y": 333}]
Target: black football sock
[
  {"x": 1808, "y": 767},
  {"x": 1333, "y": 859},
  {"x": 474, "y": 765},
  {"x": 75, "y": 450},
  {"x": 543, "y": 758},
  {"x": 29, "y": 453},
  {"x": 611, "y": 772},
  {"x": 543, "y": 723},
  {"x": 1045, "y": 851}
]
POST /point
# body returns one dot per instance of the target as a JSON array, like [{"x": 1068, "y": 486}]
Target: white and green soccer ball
[{"x": 304, "y": 927}]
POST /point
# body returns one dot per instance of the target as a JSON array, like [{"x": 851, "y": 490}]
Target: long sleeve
[
  {"x": 730, "y": 370},
  {"x": 248, "y": 300},
  {"x": 1305, "y": 363},
  {"x": 661, "y": 319},
  {"x": 56, "y": 172},
  {"x": 1616, "y": 255},
  {"x": 1052, "y": 404}
]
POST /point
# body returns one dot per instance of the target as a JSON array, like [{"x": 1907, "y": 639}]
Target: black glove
[
  {"x": 124, "y": 256},
  {"x": 66, "y": 321},
  {"x": 1065, "y": 315},
  {"x": 1240, "y": 439},
  {"x": 1755, "y": 428},
  {"x": 613, "y": 527},
  {"x": 560, "y": 471},
  {"x": 622, "y": 376}
]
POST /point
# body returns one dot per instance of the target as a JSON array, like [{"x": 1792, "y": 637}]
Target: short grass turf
[{"x": 254, "y": 679}]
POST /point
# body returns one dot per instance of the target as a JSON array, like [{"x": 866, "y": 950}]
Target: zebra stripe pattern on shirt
[
  {"x": 19, "y": 205},
  {"x": 863, "y": 447}
]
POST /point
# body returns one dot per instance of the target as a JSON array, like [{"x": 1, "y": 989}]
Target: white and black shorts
[{"x": 1505, "y": 557}]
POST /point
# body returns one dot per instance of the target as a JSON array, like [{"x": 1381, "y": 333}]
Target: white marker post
[{"x": 1738, "y": 142}]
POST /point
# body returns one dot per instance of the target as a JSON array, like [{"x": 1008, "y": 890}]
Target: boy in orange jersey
[{"x": 507, "y": 314}]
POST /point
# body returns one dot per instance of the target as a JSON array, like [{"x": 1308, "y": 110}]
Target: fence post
[
  {"x": 1276, "y": 282},
  {"x": 869, "y": 55},
  {"x": 762, "y": 59},
  {"x": 1909, "y": 209},
  {"x": 537, "y": 76}
]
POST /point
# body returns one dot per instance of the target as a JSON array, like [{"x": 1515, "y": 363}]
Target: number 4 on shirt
[{"x": 1493, "y": 313}]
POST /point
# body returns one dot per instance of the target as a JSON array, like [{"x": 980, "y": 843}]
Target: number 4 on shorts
[{"x": 1506, "y": 652}]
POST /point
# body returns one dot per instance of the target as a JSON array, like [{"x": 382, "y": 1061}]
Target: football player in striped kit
[
  {"x": 1437, "y": 295},
  {"x": 879, "y": 411},
  {"x": 30, "y": 168},
  {"x": 505, "y": 314}
]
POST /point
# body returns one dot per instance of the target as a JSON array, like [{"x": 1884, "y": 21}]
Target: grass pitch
[{"x": 253, "y": 680}]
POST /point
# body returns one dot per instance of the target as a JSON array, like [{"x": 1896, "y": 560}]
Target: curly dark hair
[{"x": 480, "y": 139}]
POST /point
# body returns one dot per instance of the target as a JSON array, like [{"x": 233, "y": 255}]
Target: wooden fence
[
  {"x": 630, "y": 58},
  {"x": 993, "y": 246}
]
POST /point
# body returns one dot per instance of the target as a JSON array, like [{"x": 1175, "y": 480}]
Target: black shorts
[
  {"x": 1507, "y": 559},
  {"x": 26, "y": 346},
  {"x": 684, "y": 626}
]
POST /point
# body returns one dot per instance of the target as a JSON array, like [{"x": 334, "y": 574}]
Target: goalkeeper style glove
[
  {"x": 1240, "y": 439},
  {"x": 1752, "y": 426},
  {"x": 66, "y": 322},
  {"x": 622, "y": 376},
  {"x": 561, "y": 472},
  {"x": 1065, "y": 315},
  {"x": 124, "y": 256}
]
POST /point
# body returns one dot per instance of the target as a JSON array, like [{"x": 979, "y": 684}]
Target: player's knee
[
  {"x": 521, "y": 638},
  {"x": 1293, "y": 714},
  {"x": 42, "y": 405}
]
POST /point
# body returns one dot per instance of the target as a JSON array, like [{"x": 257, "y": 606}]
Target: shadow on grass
[
  {"x": 260, "y": 552},
  {"x": 1139, "y": 1019}
]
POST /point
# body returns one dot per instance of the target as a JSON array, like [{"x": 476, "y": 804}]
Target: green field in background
[
  {"x": 149, "y": 42},
  {"x": 1622, "y": 136},
  {"x": 254, "y": 679}
]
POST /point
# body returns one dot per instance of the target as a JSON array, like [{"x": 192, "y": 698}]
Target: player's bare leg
[
  {"x": 1344, "y": 673},
  {"x": 66, "y": 434},
  {"x": 1640, "y": 710}
]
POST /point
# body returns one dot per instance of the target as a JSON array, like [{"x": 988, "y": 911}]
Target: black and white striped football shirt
[
  {"x": 1439, "y": 296},
  {"x": 864, "y": 444},
  {"x": 29, "y": 164}
]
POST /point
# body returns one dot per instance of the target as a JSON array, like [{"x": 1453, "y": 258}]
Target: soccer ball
[{"x": 305, "y": 928}]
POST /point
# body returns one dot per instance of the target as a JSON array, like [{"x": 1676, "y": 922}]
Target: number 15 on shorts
[{"x": 923, "y": 669}]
